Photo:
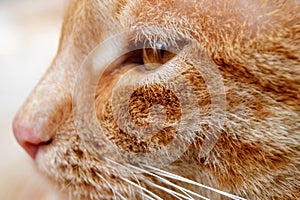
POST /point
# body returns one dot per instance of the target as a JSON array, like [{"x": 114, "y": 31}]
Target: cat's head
[{"x": 146, "y": 98}]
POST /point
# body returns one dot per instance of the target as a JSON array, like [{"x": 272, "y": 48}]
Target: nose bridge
[{"x": 47, "y": 107}]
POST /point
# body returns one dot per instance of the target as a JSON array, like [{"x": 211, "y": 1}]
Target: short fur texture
[{"x": 256, "y": 48}]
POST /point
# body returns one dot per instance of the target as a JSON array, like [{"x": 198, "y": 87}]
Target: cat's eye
[
  {"x": 150, "y": 57},
  {"x": 155, "y": 57}
]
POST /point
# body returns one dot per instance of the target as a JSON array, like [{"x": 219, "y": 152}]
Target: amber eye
[{"x": 155, "y": 57}]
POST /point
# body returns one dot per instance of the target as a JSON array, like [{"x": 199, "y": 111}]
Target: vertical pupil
[{"x": 162, "y": 50}]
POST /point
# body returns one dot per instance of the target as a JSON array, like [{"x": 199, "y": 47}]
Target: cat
[{"x": 175, "y": 99}]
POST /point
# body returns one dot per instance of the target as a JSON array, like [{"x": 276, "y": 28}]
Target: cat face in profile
[{"x": 170, "y": 99}]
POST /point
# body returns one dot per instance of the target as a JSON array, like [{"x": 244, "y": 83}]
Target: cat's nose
[{"x": 28, "y": 138}]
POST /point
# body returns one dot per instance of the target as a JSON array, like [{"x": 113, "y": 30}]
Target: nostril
[
  {"x": 28, "y": 139},
  {"x": 48, "y": 142}
]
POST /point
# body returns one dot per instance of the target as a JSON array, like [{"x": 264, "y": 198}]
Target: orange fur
[{"x": 256, "y": 48}]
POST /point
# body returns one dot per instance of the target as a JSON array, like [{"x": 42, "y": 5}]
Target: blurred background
[{"x": 29, "y": 33}]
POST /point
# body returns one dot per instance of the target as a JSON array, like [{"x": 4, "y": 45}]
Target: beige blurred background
[{"x": 29, "y": 33}]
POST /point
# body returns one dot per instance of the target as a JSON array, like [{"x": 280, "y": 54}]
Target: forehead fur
[
  {"x": 213, "y": 24},
  {"x": 194, "y": 16}
]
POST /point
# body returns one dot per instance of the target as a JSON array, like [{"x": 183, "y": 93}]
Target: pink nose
[{"x": 27, "y": 138}]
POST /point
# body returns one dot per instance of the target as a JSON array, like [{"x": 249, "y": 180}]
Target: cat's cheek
[{"x": 45, "y": 162}]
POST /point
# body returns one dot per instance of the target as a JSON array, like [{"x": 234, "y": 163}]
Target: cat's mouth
[{"x": 79, "y": 174}]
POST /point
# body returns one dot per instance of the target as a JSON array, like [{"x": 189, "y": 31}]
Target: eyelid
[{"x": 141, "y": 41}]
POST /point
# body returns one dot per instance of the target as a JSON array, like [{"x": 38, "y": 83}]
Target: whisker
[
  {"x": 183, "y": 190},
  {"x": 131, "y": 172},
  {"x": 192, "y": 193},
  {"x": 146, "y": 195},
  {"x": 122, "y": 197},
  {"x": 182, "y": 179},
  {"x": 173, "y": 193},
  {"x": 142, "y": 188},
  {"x": 109, "y": 185}
]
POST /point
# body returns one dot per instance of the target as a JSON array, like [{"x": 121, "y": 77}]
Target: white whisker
[
  {"x": 146, "y": 195},
  {"x": 122, "y": 197},
  {"x": 192, "y": 193},
  {"x": 183, "y": 190},
  {"x": 182, "y": 179},
  {"x": 109, "y": 185},
  {"x": 142, "y": 188},
  {"x": 173, "y": 193},
  {"x": 126, "y": 168}
]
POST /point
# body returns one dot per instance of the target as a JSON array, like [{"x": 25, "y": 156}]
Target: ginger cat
[{"x": 170, "y": 100}]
